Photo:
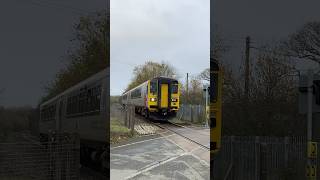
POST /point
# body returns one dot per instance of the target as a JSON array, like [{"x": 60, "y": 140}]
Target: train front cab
[{"x": 163, "y": 97}]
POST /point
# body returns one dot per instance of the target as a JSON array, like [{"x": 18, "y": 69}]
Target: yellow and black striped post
[
  {"x": 216, "y": 78},
  {"x": 311, "y": 170}
]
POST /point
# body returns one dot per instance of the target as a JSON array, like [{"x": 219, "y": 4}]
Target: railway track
[
  {"x": 167, "y": 125},
  {"x": 181, "y": 134}
]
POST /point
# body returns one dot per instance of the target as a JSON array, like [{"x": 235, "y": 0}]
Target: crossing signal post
[
  {"x": 215, "y": 93},
  {"x": 309, "y": 103},
  {"x": 207, "y": 106}
]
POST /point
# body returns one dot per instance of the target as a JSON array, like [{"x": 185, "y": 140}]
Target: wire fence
[
  {"x": 191, "y": 113},
  {"x": 261, "y": 158},
  {"x": 129, "y": 117},
  {"x": 57, "y": 158}
]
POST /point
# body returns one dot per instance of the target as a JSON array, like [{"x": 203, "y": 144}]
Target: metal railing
[
  {"x": 58, "y": 158},
  {"x": 191, "y": 113},
  {"x": 260, "y": 158}
]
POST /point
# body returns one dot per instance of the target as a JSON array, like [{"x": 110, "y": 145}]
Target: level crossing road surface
[
  {"x": 199, "y": 135},
  {"x": 166, "y": 155}
]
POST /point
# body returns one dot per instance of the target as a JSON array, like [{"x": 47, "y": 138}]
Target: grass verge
[{"x": 118, "y": 132}]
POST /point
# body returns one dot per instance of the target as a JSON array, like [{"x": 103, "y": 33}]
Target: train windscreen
[
  {"x": 174, "y": 88},
  {"x": 153, "y": 87}
]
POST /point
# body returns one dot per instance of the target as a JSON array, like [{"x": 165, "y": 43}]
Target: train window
[
  {"x": 136, "y": 93},
  {"x": 174, "y": 88},
  {"x": 89, "y": 99},
  {"x": 124, "y": 97},
  {"x": 48, "y": 113},
  {"x": 75, "y": 104},
  {"x": 81, "y": 102},
  {"x": 97, "y": 99},
  {"x": 87, "y": 102},
  {"x": 153, "y": 87}
]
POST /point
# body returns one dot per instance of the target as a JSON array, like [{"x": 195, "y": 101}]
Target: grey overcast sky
[
  {"x": 264, "y": 20},
  {"x": 34, "y": 38},
  {"x": 174, "y": 31}
]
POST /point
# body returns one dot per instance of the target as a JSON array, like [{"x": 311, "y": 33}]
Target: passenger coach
[
  {"x": 81, "y": 109},
  {"x": 156, "y": 97}
]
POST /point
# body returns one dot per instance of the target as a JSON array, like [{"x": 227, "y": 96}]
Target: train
[
  {"x": 82, "y": 110},
  {"x": 158, "y": 97}
]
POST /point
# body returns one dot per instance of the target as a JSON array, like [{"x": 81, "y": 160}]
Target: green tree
[
  {"x": 151, "y": 70},
  {"x": 90, "y": 56}
]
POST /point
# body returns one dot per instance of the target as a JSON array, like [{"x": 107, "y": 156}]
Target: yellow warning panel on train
[{"x": 312, "y": 149}]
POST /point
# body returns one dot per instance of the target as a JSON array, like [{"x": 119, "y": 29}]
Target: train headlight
[
  {"x": 153, "y": 99},
  {"x": 174, "y": 99}
]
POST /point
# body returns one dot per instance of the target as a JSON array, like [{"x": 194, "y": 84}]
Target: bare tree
[
  {"x": 274, "y": 93},
  {"x": 195, "y": 95},
  {"x": 305, "y": 43},
  {"x": 219, "y": 47},
  {"x": 273, "y": 96},
  {"x": 151, "y": 70},
  {"x": 87, "y": 55},
  {"x": 205, "y": 75}
]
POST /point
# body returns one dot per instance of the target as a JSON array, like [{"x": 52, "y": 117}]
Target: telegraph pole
[
  {"x": 187, "y": 88},
  {"x": 311, "y": 146},
  {"x": 247, "y": 70},
  {"x": 309, "y": 111},
  {"x": 246, "y": 79}
]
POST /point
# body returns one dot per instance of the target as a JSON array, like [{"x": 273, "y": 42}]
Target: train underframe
[
  {"x": 162, "y": 114},
  {"x": 93, "y": 154}
]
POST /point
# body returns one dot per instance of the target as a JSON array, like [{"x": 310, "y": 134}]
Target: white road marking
[
  {"x": 141, "y": 141},
  {"x": 154, "y": 165}
]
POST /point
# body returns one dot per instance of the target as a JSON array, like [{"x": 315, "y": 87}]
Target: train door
[{"x": 164, "y": 95}]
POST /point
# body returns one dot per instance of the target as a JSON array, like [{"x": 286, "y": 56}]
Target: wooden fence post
[
  {"x": 126, "y": 116},
  {"x": 132, "y": 119},
  {"x": 129, "y": 117},
  {"x": 191, "y": 113}
]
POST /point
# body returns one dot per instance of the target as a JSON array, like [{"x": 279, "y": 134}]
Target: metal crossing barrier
[
  {"x": 54, "y": 159},
  {"x": 260, "y": 158}
]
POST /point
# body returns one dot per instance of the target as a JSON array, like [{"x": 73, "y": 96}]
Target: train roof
[
  {"x": 135, "y": 87},
  {"x": 158, "y": 77},
  {"x": 164, "y": 77},
  {"x": 100, "y": 75}
]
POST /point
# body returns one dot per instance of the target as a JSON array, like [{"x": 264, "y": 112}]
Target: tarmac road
[{"x": 167, "y": 156}]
